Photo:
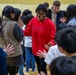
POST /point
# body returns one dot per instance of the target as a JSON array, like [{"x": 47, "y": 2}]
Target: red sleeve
[
  {"x": 28, "y": 29},
  {"x": 52, "y": 33}
]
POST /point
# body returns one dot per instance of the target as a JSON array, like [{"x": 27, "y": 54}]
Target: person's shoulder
[
  {"x": 74, "y": 58},
  {"x": 54, "y": 47}
]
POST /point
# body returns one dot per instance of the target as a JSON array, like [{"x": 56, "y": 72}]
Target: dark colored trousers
[
  {"x": 41, "y": 65},
  {"x": 12, "y": 70}
]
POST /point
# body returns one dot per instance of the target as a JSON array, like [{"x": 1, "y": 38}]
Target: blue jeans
[
  {"x": 21, "y": 70},
  {"x": 22, "y": 66},
  {"x": 29, "y": 59}
]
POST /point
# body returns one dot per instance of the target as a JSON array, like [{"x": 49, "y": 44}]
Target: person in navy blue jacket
[{"x": 3, "y": 53}]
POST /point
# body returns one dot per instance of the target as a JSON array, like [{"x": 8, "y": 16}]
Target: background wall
[
  {"x": 35, "y": 1},
  {"x": 32, "y": 4}
]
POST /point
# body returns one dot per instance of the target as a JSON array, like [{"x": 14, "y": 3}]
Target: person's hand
[
  {"x": 47, "y": 46},
  {"x": 41, "y": 54},
  {"x": 20, "y": 23},
  {"x": 9, "y": 49}
]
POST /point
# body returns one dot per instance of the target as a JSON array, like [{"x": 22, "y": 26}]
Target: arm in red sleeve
[
  {"x": 52, "y": 34},
  {"x": 28, "y": 29}
]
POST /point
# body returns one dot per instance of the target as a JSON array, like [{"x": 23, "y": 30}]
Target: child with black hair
[
  {"x": 66, "y": 40},
  {"x": 30, "y": 60},
  {"x": 63, "y": 66}
]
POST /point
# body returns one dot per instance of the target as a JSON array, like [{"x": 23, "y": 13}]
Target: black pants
[
  {"x": 12, "y": 70},
  {"x": 41, "y": 65}
]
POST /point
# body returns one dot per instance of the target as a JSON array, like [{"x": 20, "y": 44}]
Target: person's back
[
  {"x": 12, "y": 34},
  {"x": 71, "y": 15}
]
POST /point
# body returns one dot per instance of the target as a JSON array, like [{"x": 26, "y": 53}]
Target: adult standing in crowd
[
  {"x": 11, "y": 35},
  {"x": 54, "y": 13},
  {"x": 42, "y": 30}
]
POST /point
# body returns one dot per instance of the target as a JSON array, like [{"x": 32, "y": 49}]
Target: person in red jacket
[{"x": 42, "y": 30}]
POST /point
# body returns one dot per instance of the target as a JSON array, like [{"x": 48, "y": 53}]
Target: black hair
[
  {"x": 26, "y": 12},
  {"x": 63, "y": 66},
  {"x": 7, "y": 11},
  {"x": 62, "y": 26},
  {"x": 46, "y": 4},
  {"x": 64, "y": 13},
  {"x": 17, "y": 14},
  {"x": 26, "y": 18},
  {"x": 41, "y": 7},
  {"x": 1, "y": 21},
  {"x": 71, "y": 12},
  {"x": 66, "y": 38},
  {"x": 56, "y": 3}
]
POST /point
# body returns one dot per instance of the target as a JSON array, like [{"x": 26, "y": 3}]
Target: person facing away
[
  {"x": 66, "y": 40},
  {"x": 8, "y": 50},
  {"x": 63, "y": 66},
  {"x": 71, "y": 15},
  {"x": 12, "y": 34},
  {"x": 54, "y": 13},
  {"x": 20, "y": 23},
  {"x": 46, "y": 4},
  {"x": 42, "y": 30}
]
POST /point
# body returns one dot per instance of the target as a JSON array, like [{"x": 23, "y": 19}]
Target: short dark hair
[
  {"x": 17, "y": 14},
  {"x": 71, "y": 12},
  {"x": 46, "y": 4},
  {"x": 56, "y": 3},
  {"x": 26, "y": 12},
  {"x": 7, "y": 11},
  {"x": 66, "y": 38},
  {"x": 63, "y": 66},
  {"x": 41, "y": 7}
]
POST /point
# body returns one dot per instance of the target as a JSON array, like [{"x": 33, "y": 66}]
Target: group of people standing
[{"x": 38, "y": 35}]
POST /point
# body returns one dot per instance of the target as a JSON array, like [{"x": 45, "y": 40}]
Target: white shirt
[
  {"x": 27, "y": 39},
  {"x": 52, "y": 54},
  {"x": 24, "y": 36}
]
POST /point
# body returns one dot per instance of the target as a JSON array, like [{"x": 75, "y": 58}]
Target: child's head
[
  {"x": 8, "y": 12},
  {"x": 66, "y": 40},
  {"x": 47, "y": 5},
  {"x": 71, "y": 12},
  {"x": 26, "y": 18},
  {"x": 63, "y": 66},
  {"x": 26, "y": 12},
  {"x": 17, "y": 14}
]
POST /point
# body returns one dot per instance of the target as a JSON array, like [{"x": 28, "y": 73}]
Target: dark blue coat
[
  {"x": 59, "y": 15},
  {"x": 3, "y": 66}
]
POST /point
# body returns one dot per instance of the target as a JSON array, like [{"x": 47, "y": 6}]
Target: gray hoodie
[{"x": 72, "y": 22}]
